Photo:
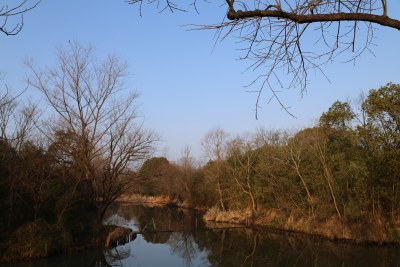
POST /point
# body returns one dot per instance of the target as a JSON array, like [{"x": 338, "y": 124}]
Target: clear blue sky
[{"x": 187, "y": 85}]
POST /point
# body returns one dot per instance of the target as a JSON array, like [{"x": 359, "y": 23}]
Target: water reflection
[
  {"x": 116, "y": 256},
  {"x": 189, "y": 239},
  {"x": 167, "y": 236},
  {"x": 176, "y": 237},
  {"x": 93, "y": 258}
]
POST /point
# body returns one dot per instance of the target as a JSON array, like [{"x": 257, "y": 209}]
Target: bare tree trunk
[
  {"x": 221, "y": 201},
  {"x": 296, "y": 167},
  {"x": 248, "y": 190},
  {"x": 213, "y": 144},
  {"x": 328, "y": 176}
]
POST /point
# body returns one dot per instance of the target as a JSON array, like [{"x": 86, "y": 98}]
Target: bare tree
[
  {"x": 244, "y": 159},
  {"x": 7, "y": 109},
  {"x": 17, "y": 121},
  {"x": 186, "y": 165},
  {"x": 264, "y": 137},
  {"x": 319, "y": 146},
  {"x": 15, "y": 10},
  {"x": 293, "y": 157},
  {"x": 214, "y": 144},
  {"x": 286, "y": 39},
  {"x": 104, "y": 135}
]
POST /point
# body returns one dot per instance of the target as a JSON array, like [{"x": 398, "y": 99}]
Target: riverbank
[
  {"x": 148, "y": 200},
  {"x": 157, "y": 201},
  {"x": 373, "y": 231}
]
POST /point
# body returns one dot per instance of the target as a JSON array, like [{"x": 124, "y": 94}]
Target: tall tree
[
  {"x": 383, "y": 109},
  {"x": 214, "y": 146},
  {"x": 339, "y": 116},
  {"x": 104, "y": 133},
  {"x": 243, "y": 160},
  {"x": 381, "y": 134}
]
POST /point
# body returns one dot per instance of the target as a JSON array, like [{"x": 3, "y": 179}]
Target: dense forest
[{"x": 339, "y": 179}]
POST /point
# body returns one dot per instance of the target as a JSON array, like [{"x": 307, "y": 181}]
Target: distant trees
[
  {"x": 158, "y": 177},
  {"x": 182, "y": 182}
]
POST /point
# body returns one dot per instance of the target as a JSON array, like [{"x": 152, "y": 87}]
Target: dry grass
[
  {"x": 271, "y": 218},
  {"x": 229, "y": 216},
  {"x": 161, "y": 200}
]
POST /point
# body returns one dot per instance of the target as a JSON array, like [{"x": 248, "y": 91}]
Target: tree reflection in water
[
  {"x": 190, "y": 240},
  {"x": 184, "y": 245},
  {"x": 115, "y": 256}
]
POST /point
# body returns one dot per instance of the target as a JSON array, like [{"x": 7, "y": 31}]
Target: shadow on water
[
  {"x": 179, "y": 237},
  {"x": 93, "y": 258}
]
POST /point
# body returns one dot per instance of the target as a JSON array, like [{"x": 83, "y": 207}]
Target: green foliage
[
  {"x": 383, "y": 109},
  {"x": 381, "y": 136},
  {"x": 338, "y": 116},
  {"x": 157, "y": 176}
]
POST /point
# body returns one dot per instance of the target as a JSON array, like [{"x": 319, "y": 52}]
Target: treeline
[
  {"x": 62, "y": 167},
  {"x": 340, "y": 178}
]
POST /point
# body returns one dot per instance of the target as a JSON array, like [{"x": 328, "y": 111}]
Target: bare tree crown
[
  {"x": 287, "y": 39},
  {"x": 101, "y": 133}
]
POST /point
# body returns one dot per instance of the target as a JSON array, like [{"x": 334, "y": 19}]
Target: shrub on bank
[{"x": 35, "y": 240}]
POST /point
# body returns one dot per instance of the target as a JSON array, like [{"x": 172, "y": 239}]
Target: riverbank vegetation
[{"x": 339, "y": 179}]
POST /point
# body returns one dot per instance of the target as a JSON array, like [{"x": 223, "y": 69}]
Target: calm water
[{"x": 176, "y": 237}]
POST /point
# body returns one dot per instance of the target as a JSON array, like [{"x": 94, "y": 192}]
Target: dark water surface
[{"x": 177, "y": 237}]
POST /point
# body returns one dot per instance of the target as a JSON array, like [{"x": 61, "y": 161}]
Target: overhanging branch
[{"x": 311, "y": 18}]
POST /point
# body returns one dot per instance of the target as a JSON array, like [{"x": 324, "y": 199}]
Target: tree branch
[{"x": 311, "y": 18}]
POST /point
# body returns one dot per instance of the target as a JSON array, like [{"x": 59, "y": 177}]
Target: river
[{"x": 179, "y": 237}]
